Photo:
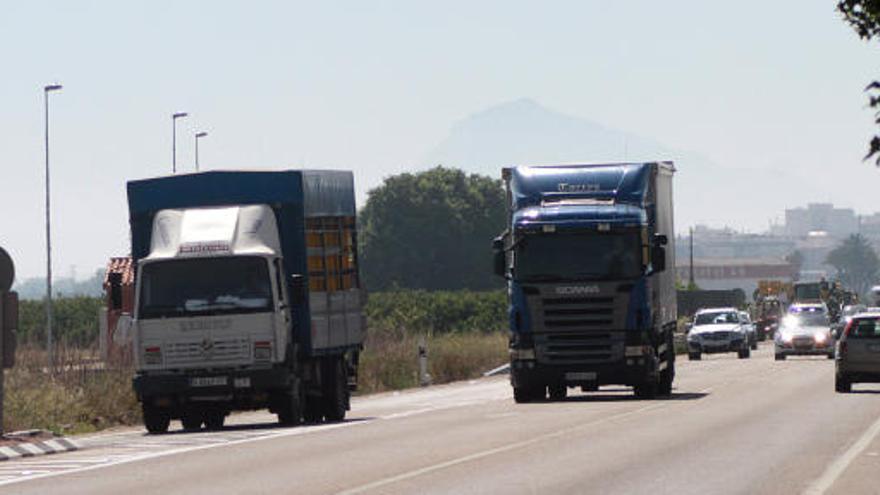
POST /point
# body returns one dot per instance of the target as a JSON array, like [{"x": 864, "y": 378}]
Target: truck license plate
[
  {"x": 207, "y": 381},
  {"x": 580, "y": 376},
  {"x": 243, "y": 382}
]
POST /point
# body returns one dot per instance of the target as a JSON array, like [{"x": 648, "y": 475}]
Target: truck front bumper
[
  {"x": 628, "y": 371},
  {"x": 217, "y": 385}
]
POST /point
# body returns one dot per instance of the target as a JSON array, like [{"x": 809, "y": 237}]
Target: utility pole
[
  {"x": 174, "y": 117},
  {"x": 691, "y": 282},
  {"x": 198, "y": 135},
  {"x": 49, "y": 343}
]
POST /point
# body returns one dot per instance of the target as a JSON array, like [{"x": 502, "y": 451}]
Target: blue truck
[
  {"x": 591, "y": 278},
  {"x": 247, "y": 296}
]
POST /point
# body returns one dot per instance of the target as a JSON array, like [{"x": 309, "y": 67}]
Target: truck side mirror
[
  {"x": 658, "y": 259},
  {"x": 298, "y": 289},
  {"x": 660, "y": 240},
  {"x": 499, "y": 257},
  {"x": 115, "y": 280}
]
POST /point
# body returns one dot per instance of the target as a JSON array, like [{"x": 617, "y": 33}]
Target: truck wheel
[
  {"x": 290, "y": 410},
  {"x": 558, "y": 392},
  {"x": 214, "y": 420},
  {"x": 667, "y": 376},
  {"x": 314, "y": 410},
  {"x": 744, "y": 353},
  {"x": 336, "y": 395},
  {"x": 156, "y": 420},
  {"x": 694, "y": 356},
  {"x": 191, "y": 420},
  {"x": 646, "y": 390},
  {"x": 831, "y": 355},
  {"x": 528, "y": 394},
  {"x": 842, "y": 385},
  {"x": 754, "y": 345}
]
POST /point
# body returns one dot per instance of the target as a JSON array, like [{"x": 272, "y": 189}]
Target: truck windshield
[
  {"x": 582, "y": 256},
  {"x": 205, "y": 286}
]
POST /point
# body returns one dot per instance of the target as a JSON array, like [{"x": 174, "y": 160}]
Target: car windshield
[
  {"x": 583, "y": 256},
  {"x": 716, "y": 317},
  {"x": 865, "y": 328},
  {"x": 204, "y": 286},
  {"x": 807, "y": 319}
]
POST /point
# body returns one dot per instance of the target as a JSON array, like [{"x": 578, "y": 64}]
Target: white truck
[{"x": 247, "y": 296}]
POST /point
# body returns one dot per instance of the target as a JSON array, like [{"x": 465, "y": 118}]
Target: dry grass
[
  {"x": 82, "y": 396},
  {"x": 79, "y": 396},
  {"x": 390, "y": 359}
]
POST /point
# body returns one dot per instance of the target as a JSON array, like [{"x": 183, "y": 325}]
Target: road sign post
[{"x": 8, "y": 321}]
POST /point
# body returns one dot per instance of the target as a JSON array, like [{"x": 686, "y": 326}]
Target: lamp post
[
  {"x": 49, "y": 344},
  {"x": 174, "y": 117},
  {"x": 198, "y": 135}
]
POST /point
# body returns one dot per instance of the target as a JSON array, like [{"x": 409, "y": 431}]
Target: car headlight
[
  {"x": 820, "y": 337},
  {"x": 787, "y": 336}
]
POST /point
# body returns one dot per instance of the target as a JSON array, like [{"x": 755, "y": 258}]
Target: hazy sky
[{"x": 374, "y": 86}]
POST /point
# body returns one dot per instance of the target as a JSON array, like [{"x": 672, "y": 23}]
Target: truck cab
[{"x": 591, "y": 292}]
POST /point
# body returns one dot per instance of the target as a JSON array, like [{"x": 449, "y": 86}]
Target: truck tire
[
  {"x": 156, "y": 420},
  {"x": 214, "y": 420},
  {"x": 314, "y": 410},
  {"x": 744, "y": 353},
  {"x": 336, "y": 394},
  {"x": 667, "y": 376},
  {"x": 558, "y": 392},
  {"x": 842, "y": 384},
  {"x": 646, "y": 390},
  {"x": 292, "y": 402},
  {"x": 831, "y": 355},
  {"x": 191, "y": 420},
  {"x": 754, "y": 345},
  {"x": 522, "y": 395}
]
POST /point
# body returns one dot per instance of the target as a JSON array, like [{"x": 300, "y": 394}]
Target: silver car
[
  {"x": 804, "y": 334},
  {"x": 751, "y": 329},
  {"x": 718, "y": 330},
  {"x": 858, "y": 352}
]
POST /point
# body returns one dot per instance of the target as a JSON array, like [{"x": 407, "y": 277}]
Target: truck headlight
[
  {"x": 262, "y": 351},
  {"x": 153, "y": 355},
  {"x": 522, "y": 354}
]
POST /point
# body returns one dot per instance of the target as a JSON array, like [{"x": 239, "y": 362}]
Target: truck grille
[
  {"x": 220, "y": 351},
  {"x": 577, "y": 330}
]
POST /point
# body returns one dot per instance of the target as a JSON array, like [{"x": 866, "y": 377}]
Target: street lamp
[
  {"x": 49, "y": 345},
  {"x": 198, "y": 135},
  {"x": 174, "y": 118}
]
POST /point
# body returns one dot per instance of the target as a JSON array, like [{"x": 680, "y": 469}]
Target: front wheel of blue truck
[
  {"x": 667, "y": 375},
  {"x": 529, "y": 393}
]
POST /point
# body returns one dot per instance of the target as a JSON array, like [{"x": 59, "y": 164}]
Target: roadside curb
[{"x": 31, "y": 449}]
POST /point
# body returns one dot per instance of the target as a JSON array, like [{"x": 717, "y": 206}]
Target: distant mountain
[
  {"x": 35, "y": 288},
  {"x": 525, "y": 132}
]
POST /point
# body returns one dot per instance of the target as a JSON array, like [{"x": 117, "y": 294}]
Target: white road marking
[
  {"x": 490, "y": 452},
  {"x": 833, "y": 472}
]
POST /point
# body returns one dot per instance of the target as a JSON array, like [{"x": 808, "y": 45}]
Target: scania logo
[
  {"x": 575, "y": 188},
  {"x": 577, "y": 290}
]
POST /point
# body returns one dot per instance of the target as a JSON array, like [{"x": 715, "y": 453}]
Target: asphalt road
[{"x": 732, "y": 426}]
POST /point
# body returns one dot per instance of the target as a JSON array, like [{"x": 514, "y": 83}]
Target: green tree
[
  {"x": 856, "y": 263},
  {"x": 864, "y": 17},
  {"x": 431, "y": 230}
]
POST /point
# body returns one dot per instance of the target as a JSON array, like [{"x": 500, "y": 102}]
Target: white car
[
  {"x": 804, "y": 333},
  {"x": 718, "y": 330}
]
